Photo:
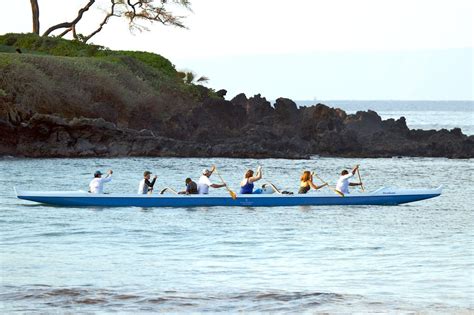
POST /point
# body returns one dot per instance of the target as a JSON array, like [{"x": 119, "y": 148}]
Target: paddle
[
  {"x": 324, "y": 182},
  {"x": 168, "y": 188},
  {"x": 360, "y": 180},
  {"x": 232, "y": 194}
]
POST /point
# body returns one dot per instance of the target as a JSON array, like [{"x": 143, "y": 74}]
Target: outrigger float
[{"x": 382, "y": 196}]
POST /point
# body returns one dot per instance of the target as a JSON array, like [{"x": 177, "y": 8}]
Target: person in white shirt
[
  {"x": 343, "y": 182},
  {"x": 96, "y": 185},
  {"x": 204, "y": 182}
]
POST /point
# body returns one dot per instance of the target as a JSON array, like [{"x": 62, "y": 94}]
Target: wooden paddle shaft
[
  {"x": 232, "y": 194},
  {"x": 360, "y": 180},
  {"x": 324, "y": 182}
]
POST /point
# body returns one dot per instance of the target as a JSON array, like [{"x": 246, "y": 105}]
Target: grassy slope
[{"x": 74, "y": 79}]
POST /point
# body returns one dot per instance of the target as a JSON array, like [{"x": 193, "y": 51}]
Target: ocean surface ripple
[{"x": 410, "y": 258}]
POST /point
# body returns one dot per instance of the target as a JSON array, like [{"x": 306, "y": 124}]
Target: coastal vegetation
[{"x": 55, "y": 75}]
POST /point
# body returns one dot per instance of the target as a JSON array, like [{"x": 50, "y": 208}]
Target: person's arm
[
  {"x": 257, "y": 176},
  {"x": 354, "y": 170},
  {"x": 217, "y": 185},
  {"x": 210, "y": 184},
  {"x": 152, "y": 183},
  {"x": 314, "y": 186},
  {"x": 107, "y": 178},
  {"x": 187, "y": 191},
  {"x": 213, "y": 168}
]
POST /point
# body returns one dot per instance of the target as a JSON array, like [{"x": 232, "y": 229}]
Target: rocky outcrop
[
  {"x": 242, "y": 127},
  {"x": 43, "y": 135}
]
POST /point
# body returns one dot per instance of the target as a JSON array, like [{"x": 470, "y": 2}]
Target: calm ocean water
[
  {"x": 409, "y": 258},
  {"x": 418, "y": 114}
]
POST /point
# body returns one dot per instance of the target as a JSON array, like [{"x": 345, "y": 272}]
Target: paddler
[
  {"x": 145, "y": 186},
  {"x": 204, "y": 182},
  {"x": 96, "y": 185},
  {"x": 306, "y": 183},
  {"x": 191, "y": 187},
  {"x": 246, "y": 185},
  {"x": 343, "y": 182}
]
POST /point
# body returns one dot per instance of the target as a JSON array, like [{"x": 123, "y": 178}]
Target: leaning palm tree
[
  {"x": 190, "y": 77},
  {"x": 203, "y": 79}
]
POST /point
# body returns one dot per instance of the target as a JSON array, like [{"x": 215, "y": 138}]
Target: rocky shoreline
[{"x": 242, "y": 128}]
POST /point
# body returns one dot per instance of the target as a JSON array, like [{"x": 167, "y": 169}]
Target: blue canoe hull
[{"x": 82, "y": 199}]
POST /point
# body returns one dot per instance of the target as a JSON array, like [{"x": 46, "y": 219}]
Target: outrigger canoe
[{"x": 382, "y": 196}]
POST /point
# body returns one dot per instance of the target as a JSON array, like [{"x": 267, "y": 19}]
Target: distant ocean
[{"x": 419, "y": 114}]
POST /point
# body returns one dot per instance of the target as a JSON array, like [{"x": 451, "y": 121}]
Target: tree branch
[
  {"x": 65, "y": 32},
  {"x": 70, "y": 24},
  {"x": 106, "y": 19}
]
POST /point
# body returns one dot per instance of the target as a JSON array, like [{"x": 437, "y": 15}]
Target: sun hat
[
  {"x": 205, "y": 171},
  {"x": 97, "y": 173}
]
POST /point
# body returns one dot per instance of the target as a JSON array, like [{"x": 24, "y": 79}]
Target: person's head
[
  {"x": 147, "y": 174},
  {"x": 206, "y": 172},
  {"x": 98, "y": 174},
  {"x": 306, "y": 176},
  {"x": 188, "y": 180},
  {"x": 344, "y": 172},
  {"x": 248, "y": 174}
]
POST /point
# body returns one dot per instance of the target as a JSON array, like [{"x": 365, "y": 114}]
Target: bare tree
[{"x": 135, "y": 11}]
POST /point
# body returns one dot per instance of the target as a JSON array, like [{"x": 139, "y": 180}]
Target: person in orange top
[{"x": 306, "y": 183}]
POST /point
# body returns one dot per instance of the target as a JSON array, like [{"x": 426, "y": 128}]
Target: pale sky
[{"x": 301, "y": 49}]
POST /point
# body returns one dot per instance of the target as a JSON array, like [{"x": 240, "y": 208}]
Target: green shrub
[
  {"x": 7, "y": 49},
  {"x": 51, "y": 45},
  {"x": 143, "y": 68},
  {"x": 5, "y": 59},
  {"x": 154, "y": 60},
  {"x": 72, "y": 48}
]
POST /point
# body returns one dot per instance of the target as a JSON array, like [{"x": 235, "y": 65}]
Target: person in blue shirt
[{"x": 246, "y": 185}]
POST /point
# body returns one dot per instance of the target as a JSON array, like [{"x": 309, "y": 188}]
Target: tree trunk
[{"x": 35, "y": 14}]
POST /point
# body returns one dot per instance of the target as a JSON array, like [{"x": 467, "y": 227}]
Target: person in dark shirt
[{"x": 191, "y": 187}]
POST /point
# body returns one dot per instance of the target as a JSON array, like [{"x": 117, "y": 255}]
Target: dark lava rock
[{"x": 243, "y": 127}]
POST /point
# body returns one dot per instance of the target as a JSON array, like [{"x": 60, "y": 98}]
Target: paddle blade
[
  {"x": 338, "y": 192},
  {"x": 233, "y": 194}
]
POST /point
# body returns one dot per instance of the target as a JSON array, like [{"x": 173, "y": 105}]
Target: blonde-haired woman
[
  {"x": 246, "y": 185},
  {"x": 306, "y": 183}
]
